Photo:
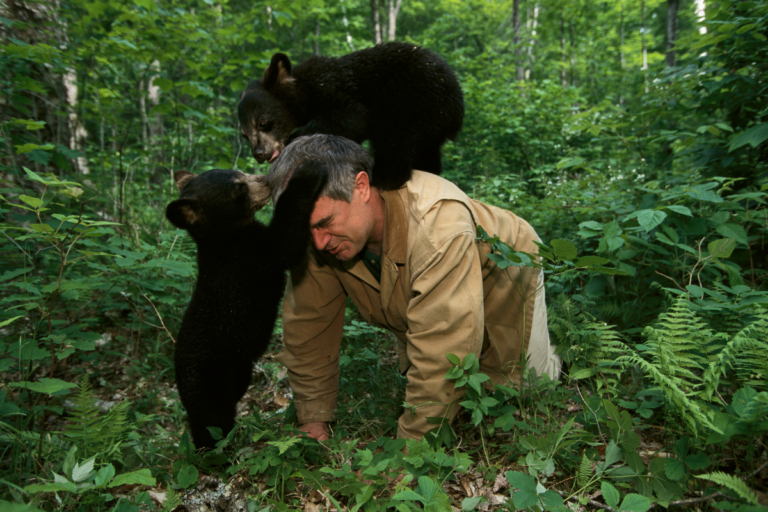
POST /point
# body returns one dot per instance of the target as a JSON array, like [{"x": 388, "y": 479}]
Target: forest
[{"x": 632, "y": 135}]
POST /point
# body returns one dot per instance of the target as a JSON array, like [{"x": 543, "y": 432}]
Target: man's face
[{"x": 340, "y": 228}]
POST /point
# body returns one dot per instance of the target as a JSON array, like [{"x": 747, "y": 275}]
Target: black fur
[
  {"x": 404, "y": 99},
  {"x": 241, "y": 266}
]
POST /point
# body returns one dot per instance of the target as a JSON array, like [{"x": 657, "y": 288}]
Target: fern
[
  {"x": 678, "y": 345},
  {"x": 95, "y": 433},
  {"x": 746, "y": 353},
  {"x": 584, "y": 473},
  {"x": 732, "y": 483},
  {"x": 596, "y": 349},
  {"x": 690, "y": 410}
]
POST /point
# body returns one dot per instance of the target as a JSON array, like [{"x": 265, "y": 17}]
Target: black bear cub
[
  {"x": 241, "y": 278},
  {"x": 404, "y": 99}
]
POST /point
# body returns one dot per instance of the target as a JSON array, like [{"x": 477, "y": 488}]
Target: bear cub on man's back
[
  {"x": 241, "y": 278},
  {"x": 403, "y": 98}
]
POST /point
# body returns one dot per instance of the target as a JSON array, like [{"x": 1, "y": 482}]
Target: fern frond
[
  {"x": 584, "y": 473},
  {"x": 732, "y": 483},
  {"x": 93, "y": 432},
  {"x": 691, "y": 411},
  {"x": 746, "y": 353}
]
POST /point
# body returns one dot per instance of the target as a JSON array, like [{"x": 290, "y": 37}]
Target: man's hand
[{"x": 317, "y": 430}]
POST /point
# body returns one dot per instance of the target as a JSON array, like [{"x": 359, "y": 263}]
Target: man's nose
[{"x": 320, "y": 239}]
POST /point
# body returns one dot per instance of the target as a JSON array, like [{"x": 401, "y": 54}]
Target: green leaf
[
  {"x": 44, "y": 385},
  {"x": 104, "y": 475},
  {"x": 10, "y": 320},
  {"x": 140, "y": 477},
  {"x": 698, "y": 461},
  {"x": 29, "y": 147},
  {"x": 635, "y": 503},
  {"x": 525, "y": 499},
  {"x": 34, "y": 202},
  {"x": 590, "y": 261},
  {"x": 51, "y": 487},
  {"x": 674, "y": 469},
  {"x": 453, "y": 358},
  {"x": 469, "y": 504},
  {"x": 428, "y": 487},
  {"x": 564, "y": 249},
  {"x": 81, "y": 473},
  {"x": 610, "y": 494},
  {"x": 682, "y": 210},
  {"x": 722, "y": 248},
  {"x": 649, "y": 219},
  {"x": 520, "y": 480},
  {"x": 408, "y": 495},
  {"x": 187, "y": 476},
  {"x": 591, "y": 225},
  {"x": 754, "y": 137},
  {"x": 733, "y": 230}
]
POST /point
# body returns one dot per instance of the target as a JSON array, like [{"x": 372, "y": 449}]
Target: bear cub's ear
[
  {"x": 278, "y": 72},
  {"x": 182, "y": 177},
  {"x": 182, "y": 212}
]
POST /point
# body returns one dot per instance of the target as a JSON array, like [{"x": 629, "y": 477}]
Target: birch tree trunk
[
  {"x": 394, "y": 8},
  {"x": 520, "y": 70},
  {"x": 532, "y": 23},
  {"x": 77, "y": 133},
  {"x": 563, "y": 57},
  {"x": 375, "y": 22}
]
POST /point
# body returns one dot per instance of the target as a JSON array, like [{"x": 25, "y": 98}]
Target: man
[{"x": 410, "y": 262}]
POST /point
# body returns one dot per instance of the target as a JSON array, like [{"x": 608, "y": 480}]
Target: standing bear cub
[
  {"x": 241, "y": 278},
  {"x": 403, "y": 98}
]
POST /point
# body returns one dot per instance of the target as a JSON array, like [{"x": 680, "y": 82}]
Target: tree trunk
[
  {"x": 572, "y": 56},
  {"x": 642, "y": 36},
  {"x": 532, "y": 23},
  {"x": 621, "y": 55},
  {"x": 394, "y": 8},
  {"x": 77, "y": 133},
  {"x": 375, "y": 21},
  {"x": 701, "y": 14},
  {"x": 516, "y": 41},
  {"x": 563, "y": 57},
  {"x": 672, "y": 7},
  {"x": 317, "y": 37}
]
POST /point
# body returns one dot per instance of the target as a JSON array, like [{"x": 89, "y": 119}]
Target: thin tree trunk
[
  {"x": 642, "y": 36},
  {"x": 317, "y": 37},
  {"x": 563, "y": 57},
  {"x": 394, "y": 8},
  {"x": 520, "y": 70},
  {"x": 672, "y": 8},
  {"x": 346, "y": 25},
  {"x": 77, "y": 133},
  {"x": 572, "y": 56},
  {"x": 701, "y": 14},
  {"x": 375, "y": 21},
  {"x": 621, "y": 55},
  {"x": 532, "y": 23}
]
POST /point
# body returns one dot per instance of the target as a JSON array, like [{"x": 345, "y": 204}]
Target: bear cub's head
[
  {"x": 216, "y": 201},
  {"x": 266, "y": 122}
]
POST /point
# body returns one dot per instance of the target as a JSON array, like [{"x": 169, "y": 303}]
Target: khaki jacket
[{"x": 439, "y": 294}]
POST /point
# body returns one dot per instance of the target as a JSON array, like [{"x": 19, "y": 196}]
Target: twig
[
  {"x": 693, "y": 500},
  {"x": 591, "y": 502},
  {"x": 671, "y": 279},
  {"x": 160, "y": 318},
  {"x": 755, "y": 472},
  {"x": 17, "y": 245}
]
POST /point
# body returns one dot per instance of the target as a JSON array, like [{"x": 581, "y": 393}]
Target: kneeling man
[{"x": 410, "y": 262}]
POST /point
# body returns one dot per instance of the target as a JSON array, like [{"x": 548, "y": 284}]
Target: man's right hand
[{"x": 317, "y": 430}]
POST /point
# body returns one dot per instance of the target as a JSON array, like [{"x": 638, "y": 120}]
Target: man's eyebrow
[{"x": 322, "y": 222}]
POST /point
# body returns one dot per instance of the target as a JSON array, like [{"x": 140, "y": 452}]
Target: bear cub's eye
[{"x": 263, "y": 125}]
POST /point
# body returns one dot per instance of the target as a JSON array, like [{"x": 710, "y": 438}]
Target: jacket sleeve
[
  {"x": 445, "y": 315},
  {"x": 313, "y": 321}
]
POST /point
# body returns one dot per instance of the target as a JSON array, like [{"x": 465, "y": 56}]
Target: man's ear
[
  {"x": 182, "y": 177},
  {"x": 182, "y": 212},
  {"x": 363, "y": 185}
]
